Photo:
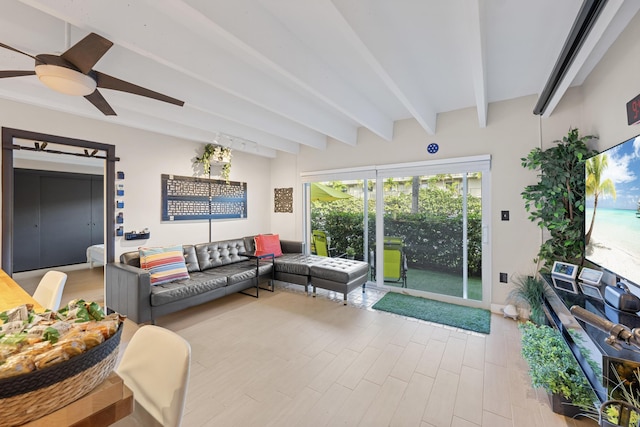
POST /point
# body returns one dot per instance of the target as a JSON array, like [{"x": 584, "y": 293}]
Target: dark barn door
[{"x": 58, "y": 216}]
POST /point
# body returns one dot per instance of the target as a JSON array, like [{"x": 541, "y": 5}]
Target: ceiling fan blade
[
  {"x": 107, "y": 82},
  {"x": 100, "y": 103},
  {"x": 15, "y": 73},
  {"x": 87, "y": 52},
  {"x": 16, "y": 50}
]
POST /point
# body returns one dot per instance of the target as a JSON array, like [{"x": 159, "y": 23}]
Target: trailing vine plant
[
  {"x": 556, "y": 202},
  {"x": 216, "y": 153}
]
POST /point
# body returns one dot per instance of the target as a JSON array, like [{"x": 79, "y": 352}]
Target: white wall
[
  {"x": 144, "y": 156},
  {"x": 56, "y": 166},
  {"x": 284, "y": 174},
  {"x": 612, "y": 84},
  {"x": 145, "y": 159}
]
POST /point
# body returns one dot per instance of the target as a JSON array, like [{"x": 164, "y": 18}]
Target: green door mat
[{"x": 470, "y": 318}]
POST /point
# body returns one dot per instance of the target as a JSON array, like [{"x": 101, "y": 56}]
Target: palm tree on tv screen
[{"x": 596, "y": 187}]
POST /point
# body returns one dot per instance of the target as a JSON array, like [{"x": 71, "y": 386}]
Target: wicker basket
[{"x": 27, "y": 397}]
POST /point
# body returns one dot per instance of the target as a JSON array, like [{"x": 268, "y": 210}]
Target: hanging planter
[{"x": 216, "y": 154}]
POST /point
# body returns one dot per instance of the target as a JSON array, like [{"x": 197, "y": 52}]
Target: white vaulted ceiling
[{"x": 278, "y": 74}]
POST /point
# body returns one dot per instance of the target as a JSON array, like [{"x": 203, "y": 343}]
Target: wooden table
[
  {"x": 12, "y": 295},
  {"x": 106, "y": 404},
  {"x": 109, "y": 402}
]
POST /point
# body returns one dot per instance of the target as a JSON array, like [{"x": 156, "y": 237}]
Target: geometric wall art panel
[{"x": 189, "y": 198}]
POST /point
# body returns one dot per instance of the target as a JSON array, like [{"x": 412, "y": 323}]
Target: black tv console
[{"x": 586, "y": 342}]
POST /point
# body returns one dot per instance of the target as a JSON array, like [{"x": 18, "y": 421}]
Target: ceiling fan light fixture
[{"x": 65, "y": 80}]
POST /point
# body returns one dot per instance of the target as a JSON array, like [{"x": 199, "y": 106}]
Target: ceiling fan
[{"x": 71, "y": 73}]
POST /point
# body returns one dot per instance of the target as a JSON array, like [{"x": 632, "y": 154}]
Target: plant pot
[
  {"x": 562, "y": 406},
  {"x": 624, "y": 411}
]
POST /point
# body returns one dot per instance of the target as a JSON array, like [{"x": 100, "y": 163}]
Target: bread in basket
[{"x": 48, "y": 360}]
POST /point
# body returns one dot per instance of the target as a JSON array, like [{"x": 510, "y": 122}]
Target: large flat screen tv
[{"x": 613, "y": 210}]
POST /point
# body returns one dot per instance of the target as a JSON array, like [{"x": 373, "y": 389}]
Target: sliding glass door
[
  {"x": 433, "y": 233},
  {"x": 341, "y": 216},
  {"x": 422, "y": 226}
]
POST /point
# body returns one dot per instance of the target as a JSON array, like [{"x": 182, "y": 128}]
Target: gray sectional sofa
[{"x": 217, "y": 269}]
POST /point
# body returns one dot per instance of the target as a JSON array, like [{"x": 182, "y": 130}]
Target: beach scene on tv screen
[{"x": 612, "y": 221}]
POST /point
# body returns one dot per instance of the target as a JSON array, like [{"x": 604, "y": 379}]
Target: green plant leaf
[
  {"x": 552, "y": 365},
  {"x": 561, "y": 186}
]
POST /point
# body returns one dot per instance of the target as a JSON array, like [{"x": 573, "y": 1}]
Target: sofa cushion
[
  {"x": 197, "y": 284},
  {"x": 164, "y": 264},
  {"x": 291, "y": 246},
  {"x": 240, "y": 271},
  {"x": 339, "y": 270},
  {"x": 216, "y": 254},
  {"x": 268, "y": 244},
  {"x": 249, "y": 243},
  {"x": 131, "y": 258},
  {"x": 190, "y": 258},
  {"x": 297, "y": 263}
]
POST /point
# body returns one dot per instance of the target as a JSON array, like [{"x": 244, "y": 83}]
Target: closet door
[
  {"x": 26, "y": 221},
  {"x": 66, "y": 220}
]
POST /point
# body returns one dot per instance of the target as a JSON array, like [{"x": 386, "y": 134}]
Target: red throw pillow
[{"x": 268, "y": 244}]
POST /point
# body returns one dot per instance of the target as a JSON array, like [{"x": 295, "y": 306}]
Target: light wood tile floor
[
  {"x": 82, "y": 282},
  {"x": 287, "y": 359}
]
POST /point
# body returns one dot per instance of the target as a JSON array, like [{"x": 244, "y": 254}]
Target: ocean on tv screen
[{"x": 615, "y": 238}]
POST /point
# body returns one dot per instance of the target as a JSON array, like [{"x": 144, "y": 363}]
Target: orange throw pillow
[{"x": 268, "y": 244}]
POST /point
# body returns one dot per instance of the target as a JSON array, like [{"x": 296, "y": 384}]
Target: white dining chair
[
  {"x": 49, "y": 291},
  {"x": 155, "y": 366}
]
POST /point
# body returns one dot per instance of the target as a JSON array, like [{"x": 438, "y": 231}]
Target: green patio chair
[
  {"x": 395, "y": 261},
  {"x": 320, "y": 243}
]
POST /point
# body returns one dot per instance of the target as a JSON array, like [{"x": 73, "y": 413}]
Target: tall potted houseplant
[
  {"x": 528, "y": 293},
  {"x": 556, "y": 202}
]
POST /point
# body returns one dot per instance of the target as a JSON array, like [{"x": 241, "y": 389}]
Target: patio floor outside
[{"x": 441, "y": 283}]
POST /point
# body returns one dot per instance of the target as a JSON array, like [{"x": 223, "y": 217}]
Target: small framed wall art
[{"x": 283, "y": 200}]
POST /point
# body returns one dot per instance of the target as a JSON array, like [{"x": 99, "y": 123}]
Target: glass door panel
[
  {"x": 340, "y": 225},
  {"x": 433, "y": 234}
]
